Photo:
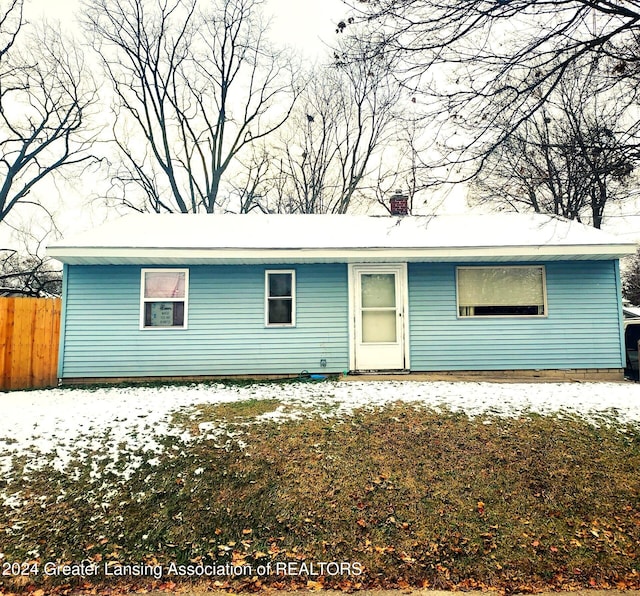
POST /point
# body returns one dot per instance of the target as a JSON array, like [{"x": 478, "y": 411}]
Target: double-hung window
[
  {"x": 164, "y": 294},
  {"x": 501, "y": 291},
  {"x": 280, "y": 298}
]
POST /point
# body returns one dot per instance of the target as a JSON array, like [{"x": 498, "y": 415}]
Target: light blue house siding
[
  {"x": 226, "y": 335},
  {"x": 582, "y": 329},
  {"x": 226, "y": 332}
]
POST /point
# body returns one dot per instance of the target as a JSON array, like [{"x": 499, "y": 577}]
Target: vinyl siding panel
[
  {"x": 226, "y": 332},
  {"x": 582, "y": 329}
]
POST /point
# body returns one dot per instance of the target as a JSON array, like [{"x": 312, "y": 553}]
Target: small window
[
  {"x": 280, "y": 306},
  {"x": 164, "y": 298},
  {"x": 501, "y": 291}
]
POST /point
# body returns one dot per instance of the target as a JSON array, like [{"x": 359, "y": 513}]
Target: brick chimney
[{"x": 399, "y": 203}]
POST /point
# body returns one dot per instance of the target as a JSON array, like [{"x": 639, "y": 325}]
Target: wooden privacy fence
[{"x": 29, "y": 334}]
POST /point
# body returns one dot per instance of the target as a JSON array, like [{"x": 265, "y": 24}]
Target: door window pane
[
  {"x": 378, "y": 326},
  {"x": 378, "y": 290}
]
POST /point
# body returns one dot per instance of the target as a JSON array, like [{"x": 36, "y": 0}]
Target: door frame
[{"x": 400, "y": 269}]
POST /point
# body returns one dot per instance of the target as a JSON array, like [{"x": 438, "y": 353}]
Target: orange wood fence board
[{"x": 29, "y": 334}]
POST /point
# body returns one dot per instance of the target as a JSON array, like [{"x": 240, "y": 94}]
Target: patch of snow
[
  {"x": 287, "y": 231},
  {"x": 112, "y": 425}
]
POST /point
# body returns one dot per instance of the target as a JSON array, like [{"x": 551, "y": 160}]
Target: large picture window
[
  {"x": 280, "y": 298},
  {"x": 164, "y": 298},
  {"x": 501, "y": 291}
]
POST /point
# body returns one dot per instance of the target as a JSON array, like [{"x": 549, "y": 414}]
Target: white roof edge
[
  {"x": 334, "y": 238},
  {"x": 160, "y": 255}
]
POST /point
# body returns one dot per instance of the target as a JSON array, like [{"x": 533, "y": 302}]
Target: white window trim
[
  {"x": 480, "y": 317},
  {"x": 268, "y": 272},
  {"x": 144, "y": 300}
]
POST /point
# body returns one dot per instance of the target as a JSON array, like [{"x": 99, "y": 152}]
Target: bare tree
[
  {"x": 327, "y": 150},
  {"x": 480, "y": 63},
  {"x": 11, "y": 21},
  {"x": 631, "y": 280},
  {"x": 305, "y": 178},
  {"x": 28, "y": 275},
  {"x": 46, "y": 95},
  {"x": 401, "y": 167},
  {"x": 247, "y": 189},
  {"x": 571, "y": 158},
  {"x": 24, "y": 270},
  {"x": 193, "y": 88}
]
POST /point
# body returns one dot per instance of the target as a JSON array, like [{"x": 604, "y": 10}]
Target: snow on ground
[{"x": 109, "y": 423}]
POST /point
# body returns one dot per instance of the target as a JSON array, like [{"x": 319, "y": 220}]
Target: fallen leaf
[
  {"x": 238, "y": 558},
  {"x": 259, "y": 555}
]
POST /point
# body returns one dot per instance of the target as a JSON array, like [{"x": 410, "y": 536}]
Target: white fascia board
[{"x": 76, "y": 255}]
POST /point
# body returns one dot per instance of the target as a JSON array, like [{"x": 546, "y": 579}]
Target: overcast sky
[{"x": 308, "y": 25}]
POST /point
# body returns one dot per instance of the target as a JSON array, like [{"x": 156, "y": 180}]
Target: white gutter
[{"x": 123, "y": 255}]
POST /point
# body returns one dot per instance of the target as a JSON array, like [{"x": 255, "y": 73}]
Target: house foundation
[{"x": 487, "y": 376}]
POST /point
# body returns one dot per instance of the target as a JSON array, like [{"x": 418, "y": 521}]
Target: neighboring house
[
  {"x": 631, "y": 316},
  {"x": 629, "y": 311},
  {"x": 206, "y": 295}
]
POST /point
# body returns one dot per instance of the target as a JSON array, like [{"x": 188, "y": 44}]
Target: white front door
[{"x": 378, "y": 316}]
